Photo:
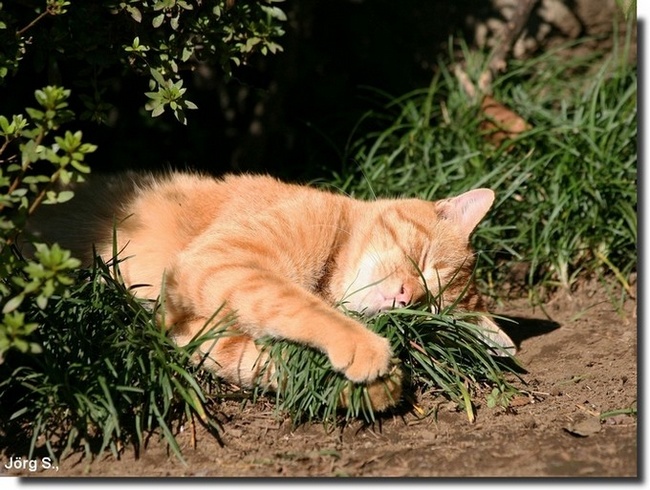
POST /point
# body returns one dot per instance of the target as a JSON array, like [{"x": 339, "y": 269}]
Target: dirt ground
[{"x": 580, "y": 353}]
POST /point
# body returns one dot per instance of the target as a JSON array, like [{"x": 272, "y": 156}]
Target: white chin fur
[{"x": 368, "y": 303}]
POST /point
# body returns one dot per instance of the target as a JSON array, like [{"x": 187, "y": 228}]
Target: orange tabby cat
[{"x": 279, "y": 256}]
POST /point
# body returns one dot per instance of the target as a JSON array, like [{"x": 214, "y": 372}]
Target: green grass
[
  {"x": 566, "y": 189},
  {"x": 439, "y": 354},
  {"x": 108, "y": 377}
]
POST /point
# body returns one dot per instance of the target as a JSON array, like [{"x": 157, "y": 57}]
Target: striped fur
[{"x": 280, "y": 257}]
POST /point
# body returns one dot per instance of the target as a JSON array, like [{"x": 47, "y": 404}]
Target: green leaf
[
  {"x": 135, "y": 13},
  {"x": 274, "y": 12},
  {"x": 79, "y": 166},
  {"x": 64, "y": 196},
  {"x": 158, "y": 20},
  {"x": 4, "y": 125},
  {"x": 158, "y": 77},
  {"x": 41, "y": 301},
  {"x": 158, "y": 110},
  {"x": 13, "y": 303}
]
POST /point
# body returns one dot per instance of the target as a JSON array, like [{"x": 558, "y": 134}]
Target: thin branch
[
  {"x": 43, "y": 193},
  {"x": 5, "y": 145},
  {"x": 33, "y": 23}
]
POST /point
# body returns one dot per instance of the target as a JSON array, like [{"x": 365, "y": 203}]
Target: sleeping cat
[{"x": 279, "y": 256}]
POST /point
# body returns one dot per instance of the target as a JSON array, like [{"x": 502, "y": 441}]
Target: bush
[
  {"x": 34, "y": 281},
  {"x": 90, "y": 45},
  {"x": 158, "y": 39}
]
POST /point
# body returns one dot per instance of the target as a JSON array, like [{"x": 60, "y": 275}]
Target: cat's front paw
[
  {"x": 363, "y": 357},
  {"x": 383, "y": 393}
]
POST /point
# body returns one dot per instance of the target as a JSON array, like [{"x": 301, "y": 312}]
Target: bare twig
[
  {"x": 33, "y": 23},
  {"x": 4, "y": 145},
  {"x": 50, "y": 9}
]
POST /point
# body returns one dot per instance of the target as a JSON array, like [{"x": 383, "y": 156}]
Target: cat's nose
[{"x": 404, "y": 296}]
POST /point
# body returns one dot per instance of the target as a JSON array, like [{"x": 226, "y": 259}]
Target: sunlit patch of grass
[
  {"x": 441, "y": 354},
  {"x": 566, "y": 189}
]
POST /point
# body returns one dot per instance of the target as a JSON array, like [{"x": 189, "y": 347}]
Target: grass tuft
[
  {"x": 108, "y": 376},
  {"x": 566, "y": 189},
  {"x": 439, "y": 353}
]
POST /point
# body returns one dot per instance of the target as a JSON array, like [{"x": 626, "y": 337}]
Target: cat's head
[{"x": 400, "y": 245}]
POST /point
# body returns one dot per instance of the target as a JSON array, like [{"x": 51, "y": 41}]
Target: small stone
[{"x": 584, "y": 426}]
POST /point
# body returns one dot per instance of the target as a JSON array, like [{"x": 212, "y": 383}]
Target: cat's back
[
  {"x": 181, "y": 206},
  {"x": 120, "y": 202},
  {"x": 162, "y": 211}
]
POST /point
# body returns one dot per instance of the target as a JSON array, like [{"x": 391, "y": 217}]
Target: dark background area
[{"x": 288, "y": 114}]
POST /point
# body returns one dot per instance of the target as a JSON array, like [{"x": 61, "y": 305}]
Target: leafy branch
[{"x": 25, "y": 185}]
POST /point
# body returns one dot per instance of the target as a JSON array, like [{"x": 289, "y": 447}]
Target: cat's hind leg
[
  {"x": 238, "y": 359},
  {"x": 233, "y": 356}
]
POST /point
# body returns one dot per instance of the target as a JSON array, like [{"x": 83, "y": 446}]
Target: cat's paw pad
[{"x": 362, "y": 359}]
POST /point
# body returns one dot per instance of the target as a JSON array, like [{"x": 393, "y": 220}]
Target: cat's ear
[
  {"x": 502, "y": 345},
  {"x": 467, "y": 209}
]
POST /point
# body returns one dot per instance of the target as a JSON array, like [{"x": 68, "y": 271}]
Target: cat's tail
[{"x": 84, "y": 221}]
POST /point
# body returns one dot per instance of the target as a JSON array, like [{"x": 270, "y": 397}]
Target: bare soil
[{"x": 580, "y": 354}]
